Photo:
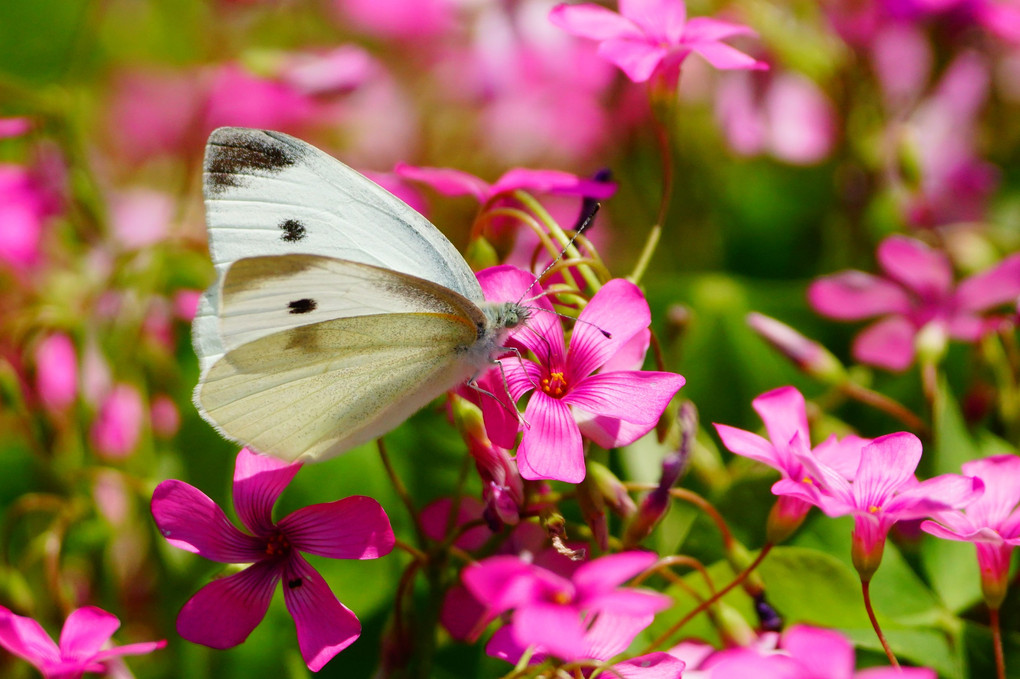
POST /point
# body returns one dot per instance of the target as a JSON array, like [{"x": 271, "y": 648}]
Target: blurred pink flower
[
  {"x": 452, "y": 182},
  {"x": 435, "y": 521},
  {"x": 140, "y": 217},
  {"x": 884, "y": 491},
  {"x": 156, "y": 111},
  {"x": 186, "y": 304},
  {"x": 654, "y": 35},
  {"x": 555, "y": 613},
  {"x": 238, "y": 97},
  {"x": 808, "y": 355},
  {"x": 56, "y": 371},
  {"x": 802, "y": 652},
  {"x": 118, "y": 424},
  {"x": 223, "y": 613},
  {"x": 14, "y": 127},
  {"x": 992, "y": 522},
  {"x": 24, "y": 208},
  {"x": 916, "y": 291},
  {"x": 902, "y": 58},
  {"x": 166, "y": 419},
  {"x": 785, "y": 416},
  {"x": 86, "y": 631},
  {"x": 955, "y": 182},
  {"x": 628, "y": 403},
  {"x": 399, "y": 19},
  {"x": 785, "y": 114},
  {"x": 329, "y": 72}
]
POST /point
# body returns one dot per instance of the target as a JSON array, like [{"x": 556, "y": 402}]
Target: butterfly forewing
[
  {"x": 268, "y": 194},
  {"x": 339, "y": 383}
]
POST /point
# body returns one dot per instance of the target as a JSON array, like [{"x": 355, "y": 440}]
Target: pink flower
[
  {"x": 884, "y": 491},
  {"x": 140, "y": 217},
  {"x": 165, "y": 417},
  {"x": 785, "y": 114},
  {"x": 452, "y": 182},
  {"x": 619, "y": 406},
  {"x": 992, "y": 522},
  {"x": 223, "y": 613},
  {"x": 784, "y": 414},
  {"x": 86, "y": 631},
  {"x": 916, "y": 291},
  {"x": 555, "y": 613},
  {"x": 399, "y": 19},
  {"x": 14, "y": 127},
  {"x": 237, "y": 97},
  {"x": 654, "y": 35},
  {"x": 118, "y": 425},
  {"x": 802, "y": 652},
  {"x": 808, "y": 355},
  {"x": 56, "y": 371},
  {"x": 24, "y": 207}
]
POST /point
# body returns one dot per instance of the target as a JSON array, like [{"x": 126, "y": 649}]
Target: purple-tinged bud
[
  {"x": 593, "y": 508},
  {"x": 654, "y": 504},
  {"x": 611, "y": 489},
  {"x": 809, "y": 356},
  {"x": 768, "y": 618}
]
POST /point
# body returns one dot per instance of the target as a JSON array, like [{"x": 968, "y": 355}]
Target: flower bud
[{"x": 809, "y": 356}]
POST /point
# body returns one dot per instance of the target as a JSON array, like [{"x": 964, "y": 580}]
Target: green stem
[
  {"x": 885, "y": 404},
  {"x": 865, "y": 590},
  {"x": 401, "y": 491}
]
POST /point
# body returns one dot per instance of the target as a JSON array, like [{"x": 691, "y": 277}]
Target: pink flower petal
[
  {"x": 656, "y": 665},
  {"x": 619, "y": 309},
  {"x": 551, "y": 445},
  {"x": 435, "y": 521},
  {"x": 593, "y": 22},
  {"x": 750, "y": 446},
  {"x": 461, "y": 613},
  {"x": 948, "y": 491},
  {"x": 189, "y": 520},
  {"x": 887, "y": 463},
  {"x": 912, "y": 263},
  {"x": 610, "y": 633},
  {"x": 706, "y": 29},
  {"x": 638, "y": 396},
  {"x": 553, "y": 182},
  {"x": 636, "y": 58},
  {"x": 501, "y": 583},
  {"x": 785, "y": 415},
  {"x": 352, "y": 528},
  {"x": 609, "y": 432},
  {"x": 815, "y": 647},
  {"x": 504, "y": 646},
  {"x": 556, "y": 629},
  {"x": 661, "y": 20},
  {"x": 324, "y": 625},
  {"x": 223, "y": 613},
  {"x": 85, "y": 631},
  {"x": 26, "y": 638},
  {"x": 626, "y": 601},
  {"x": 724, "y": 57},
  {"x": 258, "y": 482},
  {"x": 854, "y": 295},
  {"x": 1001, "y": 475},
  {"x": 887, "y": 344},
  {"x": 968, "y": 327},
  {"x": 140, "y": 648},
  {"x": 608, "y": 572},
  {"x": 998, "y": 285},
  {"x": 842, "y": 455},
  {"x": 543, "y": 331},
  {"x": 446, "y": 181},
  {"x": 521, "y": 376}
]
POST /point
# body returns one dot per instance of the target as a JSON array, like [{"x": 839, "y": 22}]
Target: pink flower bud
[
  {"x": 56, "y": 372},
  {"x": 166, "y": 419},
  {"x": 809, "y": 356},
  {"x": 118, "y": 425}
]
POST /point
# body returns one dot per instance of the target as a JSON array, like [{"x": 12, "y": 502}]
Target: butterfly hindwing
[{"x": 340, "y": 382}]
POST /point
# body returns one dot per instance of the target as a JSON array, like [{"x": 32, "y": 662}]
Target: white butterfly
[{"x": 338, "y": 311}]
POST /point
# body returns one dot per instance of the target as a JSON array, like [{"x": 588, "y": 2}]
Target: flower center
[
  {"x": 554, "y": 385},
  {"x": 277, "y": 545},
  {"x": 874, "y": 509}
]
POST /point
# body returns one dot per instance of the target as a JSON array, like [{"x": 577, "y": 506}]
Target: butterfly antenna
[
  {"x": 582, "y": 226},
  {"x": 605, "y": 333}
]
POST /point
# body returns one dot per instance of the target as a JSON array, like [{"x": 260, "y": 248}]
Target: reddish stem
[{"x": 874, "y": 623}]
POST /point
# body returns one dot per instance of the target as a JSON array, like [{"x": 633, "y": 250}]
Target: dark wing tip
[{"x": 234, "y": 153}]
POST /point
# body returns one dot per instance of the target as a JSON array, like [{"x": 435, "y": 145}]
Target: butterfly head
[{"x": 510, "y": 315}]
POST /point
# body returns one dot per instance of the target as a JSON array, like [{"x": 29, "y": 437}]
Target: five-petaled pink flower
[
  {"x": 86, "y": 631},
  {"x": 224, "y": 612},
  {"x": 992, "y": 522},
  {"x": 884, "y": 490},
  {"x": 654, "y": 35},
  {"x": 617, "y": 406},
  {"x": 452, "y": 182},
  {"x": 916, "y": 292},
  {"x": 785, "y": 416},
  {"x": 554, "y": 613}
]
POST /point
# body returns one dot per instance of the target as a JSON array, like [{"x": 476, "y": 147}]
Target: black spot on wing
[
  {"x": 293, "y": 231},
  {"x": 302, "y": 306},
  {"x": 233, "y": 154}
]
